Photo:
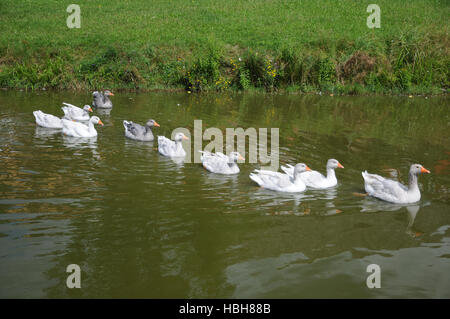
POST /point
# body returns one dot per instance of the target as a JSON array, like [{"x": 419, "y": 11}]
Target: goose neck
[
  {"x": 91, "y": 127},
  {"x": 331, "y": 175},
  {"x": 105, "y": 98},
  {"x": 178, "y": 145},
  {"x": 232, "y": 164},
  {"x": 413, "y": 181},
  {"x": 232, "y": 160},
  {"x": 296, "y": 179}
]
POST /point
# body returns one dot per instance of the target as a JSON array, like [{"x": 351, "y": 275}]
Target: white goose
[
  {"x": 72, "y": 112},
  {"x": 77, "y": 129},
  {"x": 281, "y": 182},
  {"x": 47, "y": 120},
  {"x": 314, "y": 179},
  {"x": 392, "y": 191},
  {"x": 171, "y": 148},
  {"x": 220, "y": 163}
]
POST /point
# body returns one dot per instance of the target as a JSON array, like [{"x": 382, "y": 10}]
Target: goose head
[
  {"x": 151, "y": 123},
  {"x": 418, "y": 169},
  {"x": 87, "y": 108},
  {"x": 179, "y": 137},
  {"x": 333, "y": 163},
  {"x": 96, "y": 120},
  {"x": 300, "y": 168},
  {"x": 234, "y": 156},
  {"x": 108, "y": 93}
]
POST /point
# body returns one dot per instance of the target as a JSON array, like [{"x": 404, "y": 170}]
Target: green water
[{"x": 140, "y": 225}]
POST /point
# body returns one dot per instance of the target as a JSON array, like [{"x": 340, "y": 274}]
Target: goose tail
[{"x": 126, "y": 124}]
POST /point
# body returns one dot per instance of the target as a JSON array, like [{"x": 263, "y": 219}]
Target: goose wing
[
  {"x": 75, "y": 128},
  {"x": 70, "y": 105},
  {"x": 165, "y": 146},
  {"x": 288, "y": 169},
  {"x": 383, "y": 188},
  {"x": 216, "y": 163},
  {"x": 312, "y": 178},
  {"x": 271, "y": 180},
  {"x": 73, "y": 112},
  {"x": 47, "y": 120},
  {"x": 134, "y": 129}
]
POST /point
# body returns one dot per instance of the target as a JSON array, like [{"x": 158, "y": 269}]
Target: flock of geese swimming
[{"x": 76, "y": 122}]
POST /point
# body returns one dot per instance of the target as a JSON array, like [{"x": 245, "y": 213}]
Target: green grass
[{"x": 310, "y": 45}]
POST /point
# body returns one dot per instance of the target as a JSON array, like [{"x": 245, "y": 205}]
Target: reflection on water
[
  {"x": 143, "y": 225},
  {"x": 271, "y": 198},
  {"x": 370, "y": 205},
  {"x": 329, "y": 195},
  {"x": 177, "y": 162},
  {"x": 296, "y": 275},
  {"x": 412, "y": 213},
  {"x": 103, "y": 112},
  {"x": 218, "y": 180},
  {"x": 43, "y": 132},
  {"x": 80, "y": 142}
]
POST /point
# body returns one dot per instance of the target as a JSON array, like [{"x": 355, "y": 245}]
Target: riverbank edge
[
  {"x": 442, "y": 93},
  {"x": 400, "y": 67}
]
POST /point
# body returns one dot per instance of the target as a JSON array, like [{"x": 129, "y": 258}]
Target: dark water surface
[{"x": 140, "y": 225}]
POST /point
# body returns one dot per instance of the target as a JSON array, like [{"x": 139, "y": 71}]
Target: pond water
[{"x": 141, "y": 225}]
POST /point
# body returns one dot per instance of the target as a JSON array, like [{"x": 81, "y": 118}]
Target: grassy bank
[{"x": 302, "y": 46}]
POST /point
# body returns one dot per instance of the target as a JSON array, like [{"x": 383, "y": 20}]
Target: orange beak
[
  {"x": 100, "y": 122},
  {"x": 307, "y": 168},
  {"x": 156, "y": 124},
  {"x": 424, "y": 170},
  {"x": 90, "y": 109},
  {"x": 111, "y": 93},
  {"x": 241, "y": 158},
  {"x": 185, "y": 137},
  {"x": 340, "y": 165}
]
